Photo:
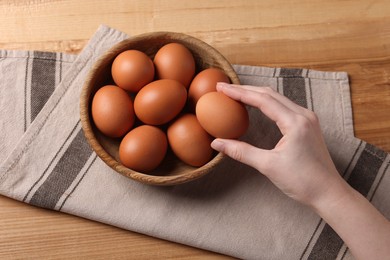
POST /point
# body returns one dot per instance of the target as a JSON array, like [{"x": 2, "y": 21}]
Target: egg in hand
[{"x": 221, "y": 116}]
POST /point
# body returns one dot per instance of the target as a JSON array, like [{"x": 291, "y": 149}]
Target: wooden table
[{"x": 351, "y": 36}]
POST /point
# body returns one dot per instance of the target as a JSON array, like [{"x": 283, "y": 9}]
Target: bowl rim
[{"x": 85, "y": 97}]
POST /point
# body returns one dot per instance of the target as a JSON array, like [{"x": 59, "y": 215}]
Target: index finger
[
  {"x": 282, "y": 99},
  {"x": 283, "y": 116}
]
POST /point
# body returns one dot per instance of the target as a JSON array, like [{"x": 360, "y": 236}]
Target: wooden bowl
[{"x": 172, "y": 171}]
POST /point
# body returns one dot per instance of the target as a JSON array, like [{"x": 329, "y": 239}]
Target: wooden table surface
[{"x": 351, "y": 36}]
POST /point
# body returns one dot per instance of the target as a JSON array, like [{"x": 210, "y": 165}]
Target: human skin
[{"x": 301, "y": 167}]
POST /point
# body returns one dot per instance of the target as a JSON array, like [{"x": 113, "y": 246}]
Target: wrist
[
  {"x": 334, "y": 196},
  {"x": 365, "y": 231}
]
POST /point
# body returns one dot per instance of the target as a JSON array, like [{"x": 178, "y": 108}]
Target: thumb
[{"x": 241, "y": 151}]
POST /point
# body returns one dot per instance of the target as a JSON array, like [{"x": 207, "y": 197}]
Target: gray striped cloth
[{"x": 45, "y": 161}]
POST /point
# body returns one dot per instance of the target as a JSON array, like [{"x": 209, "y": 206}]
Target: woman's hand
[{"x": 300, "y": 164}]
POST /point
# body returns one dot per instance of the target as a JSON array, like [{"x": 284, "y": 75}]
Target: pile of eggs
[{"x": 161, "y": 104}]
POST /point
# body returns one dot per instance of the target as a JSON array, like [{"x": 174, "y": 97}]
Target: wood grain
[
  {"x": 351, "y": 36},
  {"x": 29, "y": 232}
]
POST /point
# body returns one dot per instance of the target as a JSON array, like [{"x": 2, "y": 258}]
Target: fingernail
[
  {"x": 221, "y": 85},
  {"x": 217, "y": 145}
]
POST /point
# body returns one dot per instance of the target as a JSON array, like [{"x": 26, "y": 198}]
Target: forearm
[{"x": 361, "y": 226}]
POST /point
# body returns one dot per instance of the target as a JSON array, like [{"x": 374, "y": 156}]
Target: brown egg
[
  {"x": 143, "y": 148},
  {"x": 112, "y": 111},
  {"x": 160, "y": 101},
  {"x": 189, "y": 141},
  {"x": 205, "y": 82},
  {"x": 132, "y": 69},
  {"x": 222, "y": 116},
  {"x": 174, "y": 61}
]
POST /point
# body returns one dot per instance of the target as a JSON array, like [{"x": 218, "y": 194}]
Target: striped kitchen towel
[{"x": 46, "y": 161}]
